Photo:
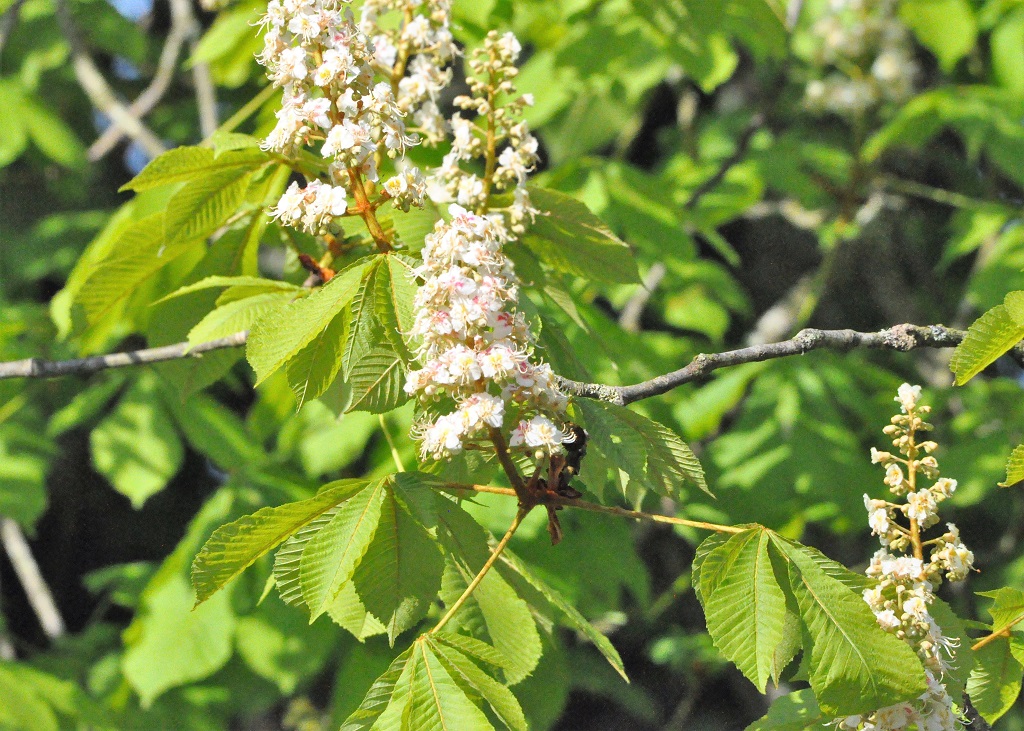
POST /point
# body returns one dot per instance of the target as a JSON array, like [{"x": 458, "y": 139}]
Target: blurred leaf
[
  {"x": 947, "y": 28},
  {"x": 569, "y": 238},
  {"x": 234, "y": 547},
  {"x": 1014, "y": 467},
  {"x": 988, "y": 337},
  {"x": 137, "y": 446},
  {"x": 796, "y": 711}
]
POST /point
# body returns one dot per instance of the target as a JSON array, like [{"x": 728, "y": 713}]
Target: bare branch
[
  {"x": 902, "y": 338},
  {"x": 25, "y": 566},
  {"x": 100, "y": 94},
  {"x": 202, "y": 80},
  {"x": 35, "y": 368},
  {"x": 629, "y": 319}
]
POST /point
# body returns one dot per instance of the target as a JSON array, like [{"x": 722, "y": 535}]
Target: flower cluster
[
  {"x": 475, "y": 347},
  {"x": 497, "y": 125},
  {"x": 478, "y": 370},
  {"x": 906, "y": 581},
  {"x": 866, "y": 56},
  {"x": 351, "y": 87}
]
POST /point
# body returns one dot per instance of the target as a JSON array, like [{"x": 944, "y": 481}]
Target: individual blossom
[{"x": 902, "y": 598}]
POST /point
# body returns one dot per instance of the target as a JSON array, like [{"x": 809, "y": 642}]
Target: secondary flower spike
[{"x": 906, "y": 581}]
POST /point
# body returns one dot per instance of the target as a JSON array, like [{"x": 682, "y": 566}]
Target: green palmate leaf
[
  {"x": 436, "y": 702},
  {"x": 471, "y": 679},
  {"x": 1014, "y": 467},
  {"x": 995, "y": 682},
  {"x": 137, "y": 446},
  {"x": 20, "y": 706},
  {"x": 377, "y": 381},
  {"x": 234, "y": 547},
  {"x": 569, "y": 238},
  {"x": 1007, "y": 609},
  {"x": 288, "y": 559},
  {"x": 331, "y": 556},
  {"x": 280, "y": 335},
  {"x": 400, "y": 574},
  {"x": 236, "y": 316},
  {"x": 793, "y": 712},
  {"x": 670, "y": 462},
  {"x": 569, "y": 612},
  {"x": 854, "y": 666},
  {"x": 649, "y": 452},
  {"x": 987, "y": 338},
  {"x": 257, "y": 283},
  {"x": 746, "y": 610},
  {"x": 204, "y": 205},
  {"x": 494, "y": 612},
  {"x": 707, "y": 565},
  {"x": 188, "y": 163},
  {"x": 607, "y": 431},
  {"x": 946, "y": 27},
  {"x": 314, "y": 368},
  {"x": 366, "y": 331},
  {"x": 139, "y": 252},
  {"x": 393, "y": 301},
  {"x": 956, "y": 677},
  {"x": 348, "y": 612},
  {"x": 385, "y": 691}
]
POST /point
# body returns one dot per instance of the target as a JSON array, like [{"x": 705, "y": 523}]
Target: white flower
[{"x": 907, "y": 396}]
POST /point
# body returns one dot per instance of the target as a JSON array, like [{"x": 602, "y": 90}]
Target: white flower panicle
[
  {"x": 496, "y": 134},
  {"x": 906, "y": 580},
  {"x": 865, "y": 55},
  {"x": 475, "y": 346},
  {"x": 360, "y": 92}
]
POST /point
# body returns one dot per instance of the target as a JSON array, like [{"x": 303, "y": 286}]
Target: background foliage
[{"x": 907, "y": 212}]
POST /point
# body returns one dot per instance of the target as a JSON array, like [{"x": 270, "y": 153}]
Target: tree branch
[
  {"x": 35, "y": 368},
  {"x": 25, "y": 566},
  {"x": 98, "y": 90},
  {"x": 902, "y": 338},
  {"x": 181, "y": 29}
]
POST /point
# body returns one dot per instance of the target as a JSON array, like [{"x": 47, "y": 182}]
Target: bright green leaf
[
  {"x": 331, "y": 556},
  {"x": 1014, "y": 467},
  {"x": 234, "y": 547},
  {"x": 989, "y": 337},
  {"x": 569, "y": 238}
]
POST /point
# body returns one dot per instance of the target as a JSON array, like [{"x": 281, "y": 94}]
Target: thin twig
[
  {"x": 35, "y": 368},
  {"x": 145, "y": 102},
  {"x": 639, "y": 515},
  {"x": 629, "y": 318},
  {"x": 25, "y": 566},
  {"x": 902, "y": 338},
  {"x": 516, "y": 522},
  {"x": 391, "y": 443},
  {"x": 742, "y": 145},
  {"x": 100, "y": 94},
  {"x": 595, "y": 508}
]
